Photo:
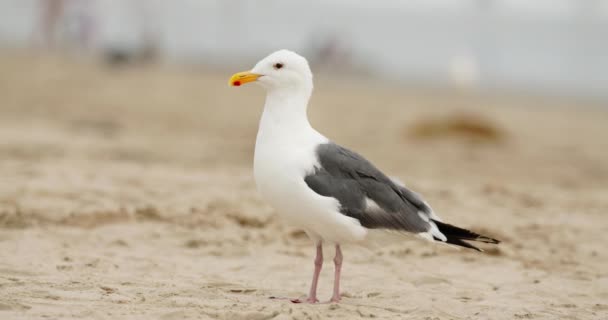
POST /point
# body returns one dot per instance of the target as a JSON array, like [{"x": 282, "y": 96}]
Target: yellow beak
[{"x": 243, "y": 77}]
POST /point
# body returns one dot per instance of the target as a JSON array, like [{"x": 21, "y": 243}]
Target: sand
[{"x": 128, "y": 194}]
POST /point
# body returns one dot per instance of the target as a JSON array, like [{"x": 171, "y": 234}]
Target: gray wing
[{"x": 351, "y": 179}]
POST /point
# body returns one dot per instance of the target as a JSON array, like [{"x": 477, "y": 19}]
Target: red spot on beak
[{"x": 236, "y": 83}]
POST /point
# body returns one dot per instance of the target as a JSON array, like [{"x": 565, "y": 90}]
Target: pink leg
[
  {"x": 312, "y": 295},
  {"x": 338, "y": 264}
]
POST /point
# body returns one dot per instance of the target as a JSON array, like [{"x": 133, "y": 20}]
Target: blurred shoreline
[
  {"x": 539, "y": 47},
  {"x": 335, "y": 77}
]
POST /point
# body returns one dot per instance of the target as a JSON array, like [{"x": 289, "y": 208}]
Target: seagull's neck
[{"x": 285, "y": 115}]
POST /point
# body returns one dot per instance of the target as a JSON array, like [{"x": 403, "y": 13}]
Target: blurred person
[
  {"x": 75, "y": 17},
  {"x": 50, "y": 15}
]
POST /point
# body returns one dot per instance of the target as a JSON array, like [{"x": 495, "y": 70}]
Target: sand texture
[{"x": 128, "y": 194}]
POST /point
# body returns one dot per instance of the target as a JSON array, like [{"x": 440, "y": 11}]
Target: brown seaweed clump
[{"x": 470, "y": 127}]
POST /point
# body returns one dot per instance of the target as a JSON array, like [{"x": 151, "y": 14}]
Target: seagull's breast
[{"x": 280, "y": 165}]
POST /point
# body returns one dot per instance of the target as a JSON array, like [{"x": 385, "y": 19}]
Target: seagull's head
[{"x": 282, "y": 69}]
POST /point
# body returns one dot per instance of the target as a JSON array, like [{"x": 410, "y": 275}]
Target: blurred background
[
  {"x": 552, "y": 47},
  {"x": 126, "y": 181}
]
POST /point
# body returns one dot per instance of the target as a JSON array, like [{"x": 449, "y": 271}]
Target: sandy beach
[{"x": 128, "y": 194}]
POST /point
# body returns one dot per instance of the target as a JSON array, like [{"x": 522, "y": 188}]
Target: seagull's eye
[{"x": 278, "y": 66}]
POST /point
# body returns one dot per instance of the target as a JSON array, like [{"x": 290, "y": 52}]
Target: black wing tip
[
  {"x": 456, "y": 235},
  {"x": 460, "y": 243}
]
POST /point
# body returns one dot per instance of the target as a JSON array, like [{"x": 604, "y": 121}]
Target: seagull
[{"x": 332, "y": 193}]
